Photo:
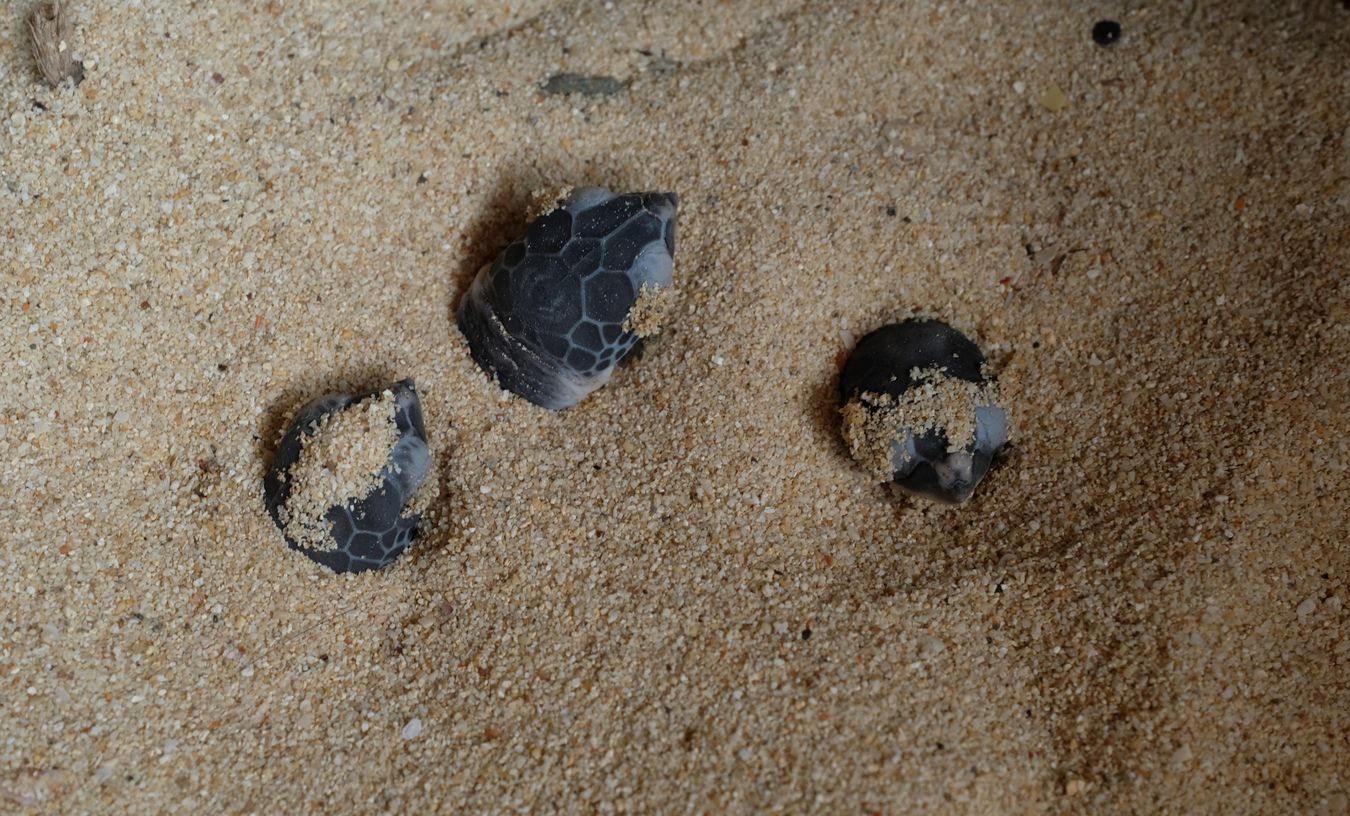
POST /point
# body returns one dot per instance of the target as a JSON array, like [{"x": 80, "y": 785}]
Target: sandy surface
[{"x": 682, "y": 595}]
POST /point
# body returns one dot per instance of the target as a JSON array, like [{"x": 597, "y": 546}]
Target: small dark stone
[
  {"x": 1105, "y": 32},
  {"x": 422, "y": 179},
  {"x": 890, "y": 211},
  {"x": 581, "y": 84},
  {"x": 806, "y": 634}
]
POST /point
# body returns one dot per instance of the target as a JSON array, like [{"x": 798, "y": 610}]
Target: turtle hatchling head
[
  {"x": 920, "y": 409},
  {"x": 367, "y": 526},
  {"x": 552, "y": 315}
]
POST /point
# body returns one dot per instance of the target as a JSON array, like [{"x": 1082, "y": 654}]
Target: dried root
[{"x": 49, "y": 27}]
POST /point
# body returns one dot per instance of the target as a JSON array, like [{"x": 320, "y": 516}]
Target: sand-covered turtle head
[
  {"x": 920, "y": 408},
  {"x": 346, "y": 472}
]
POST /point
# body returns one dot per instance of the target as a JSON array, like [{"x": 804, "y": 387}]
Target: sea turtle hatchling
[
  {"x": 344, "y": 473},
  {"x": 920, "y": 408},
  {"x": 564, "y": 303}
]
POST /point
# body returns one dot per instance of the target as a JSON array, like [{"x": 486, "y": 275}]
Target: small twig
[{"x": 49, "y": 27}]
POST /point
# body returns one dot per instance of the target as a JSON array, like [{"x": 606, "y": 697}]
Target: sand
[
  {"x": 873, "y": 424},
  {"x": 682, "y": 595}
]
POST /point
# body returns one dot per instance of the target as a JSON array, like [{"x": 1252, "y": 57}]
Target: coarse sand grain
[
  {"x": 871, "y": 423},
  {"x": 649, "y": 310}
]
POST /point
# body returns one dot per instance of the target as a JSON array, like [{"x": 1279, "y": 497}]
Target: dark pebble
[
  {"x": 582, "y": 84},
  {"x": 1105, "y": 32}
]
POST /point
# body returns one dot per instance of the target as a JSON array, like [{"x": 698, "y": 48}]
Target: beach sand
[{"x": 682, "y": 595}]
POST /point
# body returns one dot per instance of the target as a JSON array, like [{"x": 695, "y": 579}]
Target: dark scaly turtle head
[
  {"x": 894, "y": 359},
  {"x": 371, "y": 531},
  {"x": 549, "y": 317}
]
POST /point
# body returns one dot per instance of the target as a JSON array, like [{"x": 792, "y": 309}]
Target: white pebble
[
  {"x": 413, "y": 729},
  {"x": 1308, "y": 606},
  {"x": 1181, "y": 757}
]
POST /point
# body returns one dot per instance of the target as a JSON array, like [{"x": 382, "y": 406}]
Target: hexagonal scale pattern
[
  {"x": 546, "y": 318},
  {"x": 371, "y": 532}
]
